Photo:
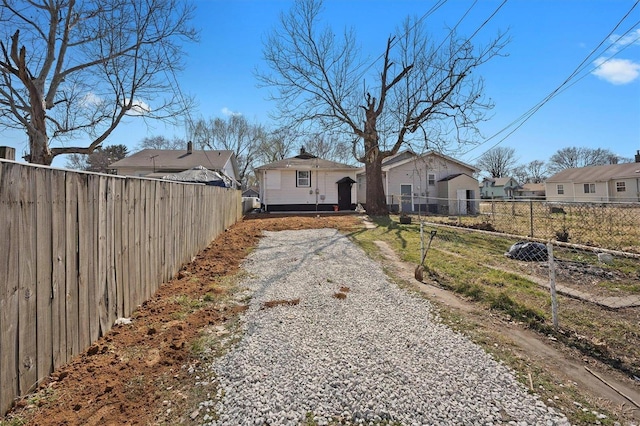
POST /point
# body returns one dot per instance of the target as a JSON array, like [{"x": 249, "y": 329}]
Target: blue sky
[{"x": 599, "y": 108}]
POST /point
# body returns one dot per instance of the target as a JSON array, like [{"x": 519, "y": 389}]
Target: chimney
[
  {"x": 638, "y": 156},
  {"x": 8, "y": 153},
  {"x": 189, "y": 147},
  {"x": 302, "y": 150}
]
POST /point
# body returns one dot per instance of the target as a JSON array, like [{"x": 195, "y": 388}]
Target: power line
[{"x": 561, "y": 88}]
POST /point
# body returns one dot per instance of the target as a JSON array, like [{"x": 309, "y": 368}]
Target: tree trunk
[
  {"x": 376, "y": 200},
  {"x": 39, "y": 148}
]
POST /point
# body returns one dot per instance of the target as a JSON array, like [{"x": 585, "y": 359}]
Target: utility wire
[{"x": 560, "y": 88}]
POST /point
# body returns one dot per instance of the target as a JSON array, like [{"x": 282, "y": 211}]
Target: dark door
[{"x": 344, "y": 196}]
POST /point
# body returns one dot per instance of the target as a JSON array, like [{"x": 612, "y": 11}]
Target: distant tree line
[{"x": 502, "y": 162}]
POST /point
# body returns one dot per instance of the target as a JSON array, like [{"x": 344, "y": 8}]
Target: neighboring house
[
  {"x": 431, "y": 182},
  {"x": 530, "y": 190},
  {"x": 307, "y": 183},
  {"x": 613, "y": 182},
  {"x": 501, "y": 188},
  {"x": 157, "y": 163},
  {"x": 251, "y": 192}
]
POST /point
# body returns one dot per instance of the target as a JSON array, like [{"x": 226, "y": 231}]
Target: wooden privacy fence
[{"x": 79, "y": 250}]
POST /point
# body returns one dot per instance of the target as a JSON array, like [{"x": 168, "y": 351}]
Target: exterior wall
[
  {"x": 497, "y": 191},
  {"x": 605, "y": 191},
  {"x": 286, "y": 192},
  {"x": 416, "y": 173},
  {"x": 631, "y": 192},
  {"x": 449, "y": 203},
  {"x": 361, "y": 183}
]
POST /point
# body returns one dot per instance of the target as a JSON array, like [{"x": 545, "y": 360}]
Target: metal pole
[
  {"x": 552, "y": 287},
  {"x": 421, "y": 240},
  {"x": 531, "y": 215}
]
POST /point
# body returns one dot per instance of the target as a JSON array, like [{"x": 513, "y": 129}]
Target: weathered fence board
[
  {"x": 27, "y": 313},
  {"x": 72, "y": 270},
  {"x": 58, "y": 273},
  {"x": 44, "y": 270},
  {"x": 9, "y": 265}
]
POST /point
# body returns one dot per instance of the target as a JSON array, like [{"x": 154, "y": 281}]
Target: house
[
  {"x": 501, "y": 188},
  {"x": 251, "y": 193},
  {"x": 157, "y": 163},
  {"x": 431, "y": 182},
  {"x": 612, "y": 182},
  {"x": 530, "y": 191},
  {"x": 307, "y": 183}
]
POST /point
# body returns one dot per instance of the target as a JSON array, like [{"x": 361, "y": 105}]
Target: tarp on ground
[{"x": 200, "y": 174}]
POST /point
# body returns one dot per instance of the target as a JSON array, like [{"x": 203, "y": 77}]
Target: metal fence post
[
  {"x": 421, "y": 239},
  {"x": 531, "y": 216},
  {"x": 552, "y": 286}
]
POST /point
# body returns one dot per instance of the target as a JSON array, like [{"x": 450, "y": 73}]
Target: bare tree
[
  {"x": 329, "y": 148},
  {"x": 72, "y": 69},
  {"x": 421, "y": 93},
  {"x": 537, "y": 171},
  {"x": 161, "y": 142},
  {"x": 277, "y": 146},
  {"x": 235, "y": 134},
  {"x": 498, "y": 161},
  {"x": 572, "y": 157}
]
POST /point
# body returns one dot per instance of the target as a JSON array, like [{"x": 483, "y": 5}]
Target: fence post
[
  {"x": 552, "y": 286},
  {"x": 531, "y": 216},
  {"x": 421, "y": 239}
]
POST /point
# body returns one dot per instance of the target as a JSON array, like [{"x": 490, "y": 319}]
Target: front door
[
  {"x": 406, "y": 205},
  {"x": 344, "y": 196}
]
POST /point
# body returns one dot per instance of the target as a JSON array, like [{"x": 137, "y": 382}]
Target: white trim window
[
  {"x": 621, "y": 186},
  {"x": 303, "y": 178},
  {"x": 431, "y": 179},
  {"x": 560, "y": 188},
  {"x": 589, "y": 188}
]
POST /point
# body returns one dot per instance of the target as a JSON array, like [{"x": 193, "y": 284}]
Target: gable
[{"x": 430, "y": 157}]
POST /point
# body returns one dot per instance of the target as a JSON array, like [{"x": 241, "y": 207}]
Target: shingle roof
[
  {"x": 597, "y": 173},
  {"x": 175, "y": 159},
  {"x": 306, "y": 164},
  {"x": 408, "y": 155}
]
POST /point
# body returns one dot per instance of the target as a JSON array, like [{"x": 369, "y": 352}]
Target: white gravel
[{"x": 378, "y": 356}]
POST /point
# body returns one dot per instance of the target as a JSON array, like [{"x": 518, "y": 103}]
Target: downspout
[{"x": 264, "y": 190}]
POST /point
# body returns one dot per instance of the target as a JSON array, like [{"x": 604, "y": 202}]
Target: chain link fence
[{"x": 570, "y": 270}]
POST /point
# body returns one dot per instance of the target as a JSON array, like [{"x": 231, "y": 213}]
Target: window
[
  {"x": 621, "y": 187},
  {"x": 431, "y": 179},
  {"x": 589, "y": 188},
  {"x": 303, "y": 178},
  {"x": 560, "y": 189}
]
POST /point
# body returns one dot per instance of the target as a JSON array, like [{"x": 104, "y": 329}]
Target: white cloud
[
  {"x": 91, "y": 100},
  {"x": 226, "y": 111},
  {"x": 632, "y": 38},
  {"x": 616, "y": 71},
  {"x": 138, "y": 108}
]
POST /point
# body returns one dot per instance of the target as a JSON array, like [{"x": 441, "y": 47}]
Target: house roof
[
  {"x": 305, "y": 162},
  {"x": 177, "y": 159},
  {"x": 532, "y": 187},
  {"x": 501, "y": 181},
  {"x": 408, "y": 155},
  {"x": 453, "y": 176},
  {"x": 597, "y": 173}
]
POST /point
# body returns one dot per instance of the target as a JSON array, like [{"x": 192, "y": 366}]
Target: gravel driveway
[{"x": 377, "y": 356}]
